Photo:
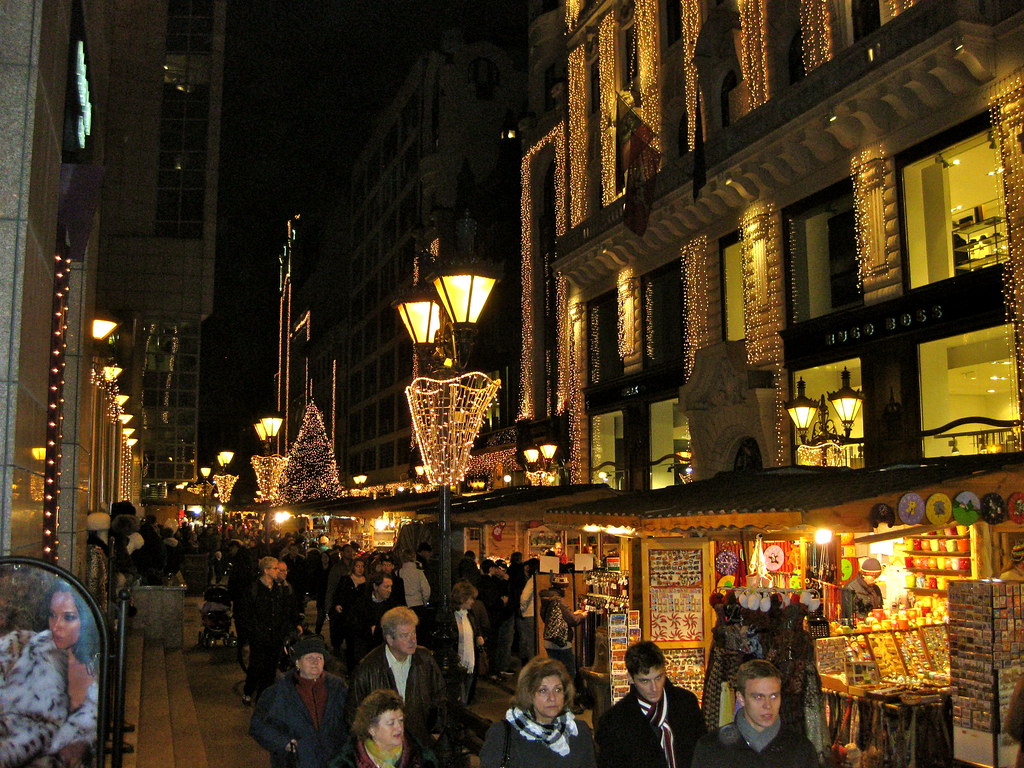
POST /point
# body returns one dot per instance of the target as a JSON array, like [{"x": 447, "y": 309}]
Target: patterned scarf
[
  {"x": 657, "y": 716},
  {"x": 381, "y": 756},
  {"x": 553, "y": 735}
]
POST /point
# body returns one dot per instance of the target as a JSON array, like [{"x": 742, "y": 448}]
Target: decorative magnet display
[
  {"x": 726, "y": 562},
  {"x": 911, "y": 509},
  {"x": 939, "y": 509},
  {"x": 993, "y": 508},
  {"x": 1015, "y": 507},
  {"x": 774, "y": 557},
  {"x": 966, "y": 507}
]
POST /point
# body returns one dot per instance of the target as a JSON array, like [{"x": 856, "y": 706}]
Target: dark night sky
[{"x": 302, "y": 81}]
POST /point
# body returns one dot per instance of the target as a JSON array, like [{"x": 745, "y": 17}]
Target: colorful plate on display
[
  {"x": 911, "y": 508},
  {"x": 846, "y": 569},
  {"x": 1015, "y": 507},
  {"x": 939, "y": 509},
  {"x": 774, "y": 557},
  {"x": 727, "y": 582},
  {"x": 993, "y": 508},
  {"x": 726, "y": 562},
  {"x": 966, "y": 507}
]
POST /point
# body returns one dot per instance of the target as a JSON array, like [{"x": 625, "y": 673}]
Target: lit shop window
[
  {"x": 827, "y": 426},
  {"x": 670, "y": 444},
  {"x": 954, "y": 211},
  {"x": 964, "y": 379},
  {"x": 732, "y": 291},
  {"x": 607, "y": 450}
]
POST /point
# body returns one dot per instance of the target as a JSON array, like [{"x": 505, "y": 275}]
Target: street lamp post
[
  {"x": 448, "y": 404},
  {"x": 205, "y": 472}
]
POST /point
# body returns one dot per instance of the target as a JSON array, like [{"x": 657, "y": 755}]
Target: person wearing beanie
[
  {"x": 1016, "y": 570},
  {"x": 861, "y": 594},
  {"x": 300, "y": 719}
]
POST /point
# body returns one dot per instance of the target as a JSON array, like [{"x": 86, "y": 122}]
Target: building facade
[
  {"x": 724, "y": 199},
  {"x": 444, "y": 149}
]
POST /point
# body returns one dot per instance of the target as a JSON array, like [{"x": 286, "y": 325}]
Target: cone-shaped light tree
[{"x": 311, "y": 472}]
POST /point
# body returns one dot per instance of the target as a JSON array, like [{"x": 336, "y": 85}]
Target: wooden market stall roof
[
  {"x": 525, "y": 503},
  {"x": 794, "y": 497}
]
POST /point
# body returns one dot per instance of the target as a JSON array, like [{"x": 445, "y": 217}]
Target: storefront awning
[
  {"x": 524, "y": 503},
  {"x": 794, "y": 497}
]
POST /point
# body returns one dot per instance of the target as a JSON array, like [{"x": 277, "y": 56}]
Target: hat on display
[
  {"x": 1017, "y": 553},
  {"x": 311, "y": 644},
  {"x": 870, "y": 565}
]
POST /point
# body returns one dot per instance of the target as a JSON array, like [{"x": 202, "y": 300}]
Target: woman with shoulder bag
[{"x": 539, "y": 730}]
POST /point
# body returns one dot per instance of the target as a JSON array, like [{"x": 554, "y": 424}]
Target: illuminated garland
[
  {"x": 606, "y": 73},
  {"x": 626, "y": 294},
  {"x": 577, "y": 75},
  {"x": 896, "y": 7},
  {"x": 555, "y": 138},
  {"x": 763, "y": 304},
  {"x": 55, "y": 406},
  {"x": 564, "y": 330},
  {"x": 268, "y": 471},
  {"x": 867, "y": 173},
  {"x": 577, "y": 405},
  {"x": 691, "y": 29},
  {"x": 494, "y": 464},
  {"x": 1007, "y": 110},
  {"x": 816, "y": 33},
  {"x": 572, "y": 13},
  {"x": 696, "y": 306},
  {"x": 125, "y": 481},
  {"x": 645, "y": 27},
  {"x": 754, "y": 50}
]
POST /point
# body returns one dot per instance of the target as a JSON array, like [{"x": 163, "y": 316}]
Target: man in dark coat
[
  {"x": 755, "y": 738},
  {"x": 401, "y": 665},
  {"x": 370, "y": 605},
  {"x": 267, "y": 616},
  {"x": 303, "y": 713},
  {"x": 861, "y": 594},
  {"x": 656, "y": 725}
]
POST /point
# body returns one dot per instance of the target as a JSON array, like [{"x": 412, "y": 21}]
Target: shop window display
[
  {"x": 733, "y": 328},
  {"x": 607, "y": 449},
  {"x": 953, "y": 210},
  {"x": 670, "y": 444},
  {"x": 970, "y": 375},
  {"x": 823, "y": 379}
]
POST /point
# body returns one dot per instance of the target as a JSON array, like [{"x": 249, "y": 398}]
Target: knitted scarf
[
  {"x": 657, "y": 716},
  {"x": 757, "y": 740},
  {"x": 554, "y": 735},
  {"x": 381, "y": 756}
]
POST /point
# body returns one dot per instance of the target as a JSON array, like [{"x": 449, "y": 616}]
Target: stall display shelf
[
  {"x": 928, "y": 591},
  {"x": 941, "y": 572}
]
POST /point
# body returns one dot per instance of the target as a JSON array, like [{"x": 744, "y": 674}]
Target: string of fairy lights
[
  {"x": 754, "y": 50},
  {"x": 564, "y": 331},
  {"x": 1007, "y": 114},
  {"x": 816, "y": 33},
  {"x": 606, "y": 81},
  {"x": 626, "y": 290},
  {"x": 690, "y": 31},
  {"x": 577, "y": 76},
  {"x": 555, "y": 138},
  {"x": 55, "y": 406},
  {"x": 645, "y": 26},
  {"x": 695, "y": 298},
  {"x": 572, "y": 13},
  {"x": 867, "y": 170},
  {"x": 577, "y": 414}
]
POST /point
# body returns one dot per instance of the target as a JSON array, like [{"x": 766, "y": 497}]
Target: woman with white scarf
[
  {"x": 539, "y": 730},
  {"x": 470, "y": 637}
]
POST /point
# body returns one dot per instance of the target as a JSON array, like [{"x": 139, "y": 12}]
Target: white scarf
[
  {"x": 466, "y": 640},
  {"x": 553, "y": 735}
]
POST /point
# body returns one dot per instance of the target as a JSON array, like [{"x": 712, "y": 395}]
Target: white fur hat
[
  {"x": 135, "y": 541},
  {"x": 97, "y": 521}
]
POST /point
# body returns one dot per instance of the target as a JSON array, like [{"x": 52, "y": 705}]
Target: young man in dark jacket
[
  {"x": 656, "y": 725},
  {"x": 755, "y": 738}
]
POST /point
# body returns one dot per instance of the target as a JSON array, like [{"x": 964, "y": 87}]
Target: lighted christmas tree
[{"x": 311, "y": 472}]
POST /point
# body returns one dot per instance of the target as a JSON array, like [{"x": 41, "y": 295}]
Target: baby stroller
[{"x": 215, "y": 613}]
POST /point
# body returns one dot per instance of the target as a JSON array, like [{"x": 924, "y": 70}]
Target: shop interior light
[
  {"x": 39, "y": 454},
  {"x": 822, "y": 536}
]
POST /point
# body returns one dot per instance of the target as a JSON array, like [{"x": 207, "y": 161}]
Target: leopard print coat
[{"x": 33, "y": 697}]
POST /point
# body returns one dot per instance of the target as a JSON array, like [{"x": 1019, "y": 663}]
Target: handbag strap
[{"x": 508, "y": 744}]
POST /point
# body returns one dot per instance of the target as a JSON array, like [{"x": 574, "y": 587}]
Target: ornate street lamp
[
  {"x": 802, "y": 410},
  {"x": 847, "y": 401},
  {"x": 824, "y": 447},
  {"x": 268, "y": 468}
]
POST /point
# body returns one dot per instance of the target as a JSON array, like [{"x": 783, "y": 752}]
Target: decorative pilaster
[
  {"x": 695, "y": 299},
  {"x": 606, "y": 73},
  {"x": 628, "y": 292},
  {"x": 876, "y": 219},
  {"x": 577, "y": 76},
  {"x": 754, "y": 50}
]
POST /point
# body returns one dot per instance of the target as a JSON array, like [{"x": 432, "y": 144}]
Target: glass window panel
[
  {"x": 953, "y": 208},
  {"x": 607, "y": 449},
  {"x": 605, "y": 362},
  {"x": 663, "y": 315},
  {"x": 732, "y": 291},
  {"x": 670, "y": 444},
  {"x": 823, "y": 379},
  {"x": 966, "y": 376}
]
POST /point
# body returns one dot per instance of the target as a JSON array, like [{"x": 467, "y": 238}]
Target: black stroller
[{"x": 215, "y": 613}]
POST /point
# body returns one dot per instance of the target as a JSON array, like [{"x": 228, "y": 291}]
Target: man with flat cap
[{"x": 861, "y": 594}]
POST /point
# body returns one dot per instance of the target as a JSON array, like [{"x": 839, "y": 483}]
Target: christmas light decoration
[
  {"x": 606, "y": 73},
  {"x": 125, "y": 480},
  {"x": 626, "y": 293},
  {"x": 268, "y": 471},
  {"x": 868, "y": 172},
  {"x": 55, "y": 406},
  {"x": 815, "y": 33},
  {"x": 577, "y": 414},
  {"x": 446, "y": 416},
  {"x": 763, "y": 304},
  {"x": 311, "y": 472},
  {"x": 695, "y": 299},
  {"x": 754, "y": 50},
  {"x": 494, "y": 464},
  {"x": 691, "y": 29},
  {"x": 897, "y": 7},
  {"x": 821, "y": 455},
  {"x": 648, "y": 75},
  {"x": 225, "y": 484},
  {"x": 572, "y": 13},
  {"x": 556, "y": 139},
  {"x": 1007, "y": 113},
  {"x": 578, "y": 135}
]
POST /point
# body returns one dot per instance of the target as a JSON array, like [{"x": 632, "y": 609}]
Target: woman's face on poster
[{"x": 65, "y": 623}]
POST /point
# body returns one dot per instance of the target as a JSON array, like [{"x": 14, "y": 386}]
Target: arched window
[
  {"x": 795, "y": 58},
  {"x": 728, "y": 86},
  {"x": 866, "y": 17}
]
